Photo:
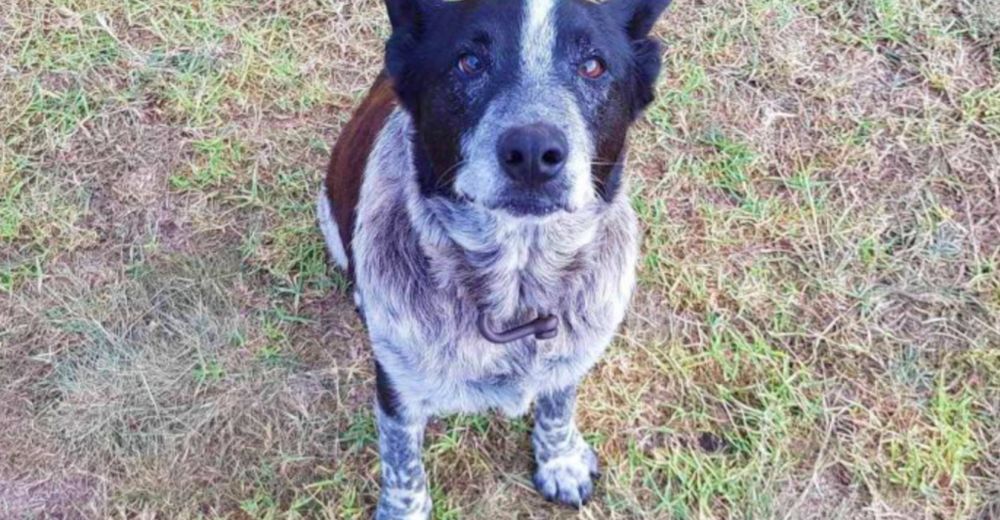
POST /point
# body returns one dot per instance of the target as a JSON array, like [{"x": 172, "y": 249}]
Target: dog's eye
[
  {"x": 471, "y": 65},
  {"x": 592, "y": 68}
]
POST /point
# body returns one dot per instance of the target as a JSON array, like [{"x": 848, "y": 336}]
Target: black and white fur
[{"x": 442, "y": 235}]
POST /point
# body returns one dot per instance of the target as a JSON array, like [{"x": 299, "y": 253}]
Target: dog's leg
[
  {"x": 566, "y": 464},
  {"x": 404, "y": 493}
]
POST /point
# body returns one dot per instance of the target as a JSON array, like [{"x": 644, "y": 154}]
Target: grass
[{"x": 816, "y": 334}]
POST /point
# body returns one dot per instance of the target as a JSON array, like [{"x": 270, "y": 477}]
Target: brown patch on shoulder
[{"x": 350, "y": 157}]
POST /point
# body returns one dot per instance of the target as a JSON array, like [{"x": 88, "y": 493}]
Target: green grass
[{"x": 816, "y": 333}]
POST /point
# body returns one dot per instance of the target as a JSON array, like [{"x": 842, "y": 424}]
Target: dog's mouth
[
  {"x": 529, "y": 207},
  {"x": 531, "y": 203}
]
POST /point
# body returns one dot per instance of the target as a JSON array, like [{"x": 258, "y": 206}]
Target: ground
[{"x": 816, "y": 333}]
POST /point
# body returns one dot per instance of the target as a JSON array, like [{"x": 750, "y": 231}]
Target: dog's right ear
[
  {"x": 637, "y": 16},
  {"x": 409, "y": 20},
  {"x": 405, "y": 15}
]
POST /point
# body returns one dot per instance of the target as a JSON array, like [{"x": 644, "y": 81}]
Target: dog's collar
[{"x": 543, "y": 327}]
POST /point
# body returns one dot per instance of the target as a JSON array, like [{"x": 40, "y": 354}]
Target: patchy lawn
[{"x": 816, "y": 335}]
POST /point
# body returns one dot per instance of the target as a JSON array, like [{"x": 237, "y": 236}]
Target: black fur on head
[
  {"x": 431, "y": 37},
  {"x": 638, "y": 18}
]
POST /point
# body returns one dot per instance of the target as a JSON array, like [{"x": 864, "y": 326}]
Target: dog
[{"x": 478, "y": 202}]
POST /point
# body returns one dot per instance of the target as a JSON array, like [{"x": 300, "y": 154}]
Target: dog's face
[{"x": 522, "y": 106}]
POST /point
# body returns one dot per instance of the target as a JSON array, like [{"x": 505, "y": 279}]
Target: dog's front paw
[
  {"x": 568, "y": 478},
  {"x": 402, "y": 504}
]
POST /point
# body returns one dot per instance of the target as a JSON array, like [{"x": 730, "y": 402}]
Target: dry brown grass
[{"x": 817, "y": 333}]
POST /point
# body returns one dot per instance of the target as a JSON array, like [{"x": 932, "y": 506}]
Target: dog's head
[{"x": 522, "y": 106}]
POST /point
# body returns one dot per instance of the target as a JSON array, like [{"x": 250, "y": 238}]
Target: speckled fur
[
  {"x": 426, "y": 268},
  {"x": 428, "y": 263}
]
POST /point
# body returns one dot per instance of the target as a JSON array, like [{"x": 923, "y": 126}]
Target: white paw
[
  {"x": 398, "y": 504},
  {"x": 568, "y": 478}
]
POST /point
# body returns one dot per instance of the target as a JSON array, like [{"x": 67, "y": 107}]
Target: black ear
[
  {"x": 637, "y": 16},
  {"x": 409, "y": 21},
  {"x": 408, "y": 15}
]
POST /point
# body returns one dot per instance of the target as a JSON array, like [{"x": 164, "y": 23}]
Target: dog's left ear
[{"x": 637, "y": 17}]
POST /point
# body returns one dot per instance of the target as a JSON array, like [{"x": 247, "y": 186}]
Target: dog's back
[{"x": 341, "y": 191}]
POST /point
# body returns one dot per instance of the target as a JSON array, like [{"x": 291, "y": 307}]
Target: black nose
[{"x": 533, "y": 154}]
